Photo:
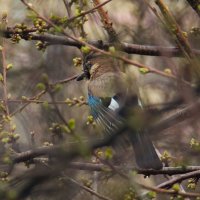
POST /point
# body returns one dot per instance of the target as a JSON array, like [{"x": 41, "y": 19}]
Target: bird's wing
[{"x": 105, "y": 116}]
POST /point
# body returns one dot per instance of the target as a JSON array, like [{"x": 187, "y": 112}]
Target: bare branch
[
  {"x": 179, "y": 179},
  {"x": 89, "y": 190},
  {"x": 170, "y": 192}
]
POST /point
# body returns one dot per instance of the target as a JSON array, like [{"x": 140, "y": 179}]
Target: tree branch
[
  {"x": 170, "y": 192},
  {"x": 89, "y": 190},
  {"x": 147, "y": 172},
  {"x": 179, "y": 179},
  {"x": 31, "y": 154},
  {"x": 148, "y": 50}
]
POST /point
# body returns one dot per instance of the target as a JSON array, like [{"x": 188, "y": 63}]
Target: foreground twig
[
  {"x": 93, "y": 48},
  {"x": 89, "y": 190},
  {"x": 29, "y": 155},
  {"x": 3, "y": 53},
  {"x": 170, "y": 192},
  {"x": 179, "y": 179},
  {"x": 164, "y": 170}
]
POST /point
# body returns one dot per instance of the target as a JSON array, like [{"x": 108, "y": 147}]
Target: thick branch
[
  {"x": 179, "y": 179},
  {"x": 126, "y": 47},
  {"x": 164, "y": 170},
  {"x": 67, "y": 151},
  {"x": 170, "y": 192},
  {"x": 29, "y": 155}
]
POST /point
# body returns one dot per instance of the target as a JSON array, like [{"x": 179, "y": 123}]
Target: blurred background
[{"x": 134, "y": 23}]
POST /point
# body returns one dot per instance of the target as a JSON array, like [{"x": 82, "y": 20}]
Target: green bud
[
  {"x": 77, "y": 11},
  {"x": 85, "y": 49},
  {"x": 5, "y": 140},
  {"x": 108, "y": 153},
  {"x": 112, "y": 49},
  {"x": 16, "y": 136},
  {"x": 176, "y": 187},
  {"x": 1, "y": 77},
  {"x": 46, "y": 104},
  {"x": 7, "y": 160},
  {"x": 57, "y": 87},
  {"x": 41, "y": 86},
  {"x": 151, "y": 195},
  {"x": 24, "y": 98},
  {"x": 65, "y": 129},
  {"x": 144, "y": 70},
  {"x": 9, "y": 66},
  {"x": 71, "y": 124}
]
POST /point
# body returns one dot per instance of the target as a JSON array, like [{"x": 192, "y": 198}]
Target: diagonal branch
[
  {"x": 148, "y": 50},
  {"x": 179, "y": 179},
  {"x": 89, "y": 190},
  {"x": 170, "y": 192}
]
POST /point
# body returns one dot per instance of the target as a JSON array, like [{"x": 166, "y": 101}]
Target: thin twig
[
  {"x": 98, "y": 5},
  {"x": 38, "y": 95},
  {"x": 89, "y": 190},
  {"x": 112, "y": 167},
  {"x": 5, "y": 80},
  {"x": 179, "y": 36},
  {"x": 179, "y": 179},
  {"x": 107, "y": 24},
  {"x": 22, "y": 101},
  {"x": 170, "y": 192},
  {"x": 150, "y": 69},
  {"x": 67, "y": 6},
  {"x": 3, "y": 52}
]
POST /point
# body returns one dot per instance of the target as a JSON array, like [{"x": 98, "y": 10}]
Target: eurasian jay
[{"x": 109, "y": 101}]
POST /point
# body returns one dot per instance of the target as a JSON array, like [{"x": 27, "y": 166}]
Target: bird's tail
[{"x": 145, "y": 153}]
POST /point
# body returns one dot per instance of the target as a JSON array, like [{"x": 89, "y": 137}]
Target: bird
[{"x": 110, "y": 100}]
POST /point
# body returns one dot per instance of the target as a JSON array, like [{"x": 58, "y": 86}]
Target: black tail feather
[{"x": 145, "y": 153}]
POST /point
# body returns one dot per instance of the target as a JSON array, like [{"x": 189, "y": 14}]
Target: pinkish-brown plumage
[{"x": 106, "y": 78}]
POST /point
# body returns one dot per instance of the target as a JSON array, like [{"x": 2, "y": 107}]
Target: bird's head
[{"x": 96, "y": 64}]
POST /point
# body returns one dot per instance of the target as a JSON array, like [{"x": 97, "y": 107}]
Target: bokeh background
[{"x": 135, "y": 23}]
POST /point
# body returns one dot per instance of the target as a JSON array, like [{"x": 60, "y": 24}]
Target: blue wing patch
[{"x": 104, "y": 116}]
